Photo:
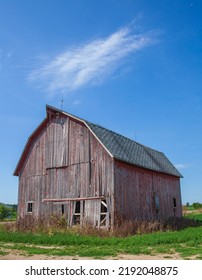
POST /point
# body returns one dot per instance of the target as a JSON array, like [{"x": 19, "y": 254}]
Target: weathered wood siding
[
  {"x": 142, "y": 194},
  {"x": 65, "y": 161},
  {"x": 66, "y": 170},
  {"x": 33, "y": 177}
]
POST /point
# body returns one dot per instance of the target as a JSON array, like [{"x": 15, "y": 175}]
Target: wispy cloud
[
  {"x": 182, "y": 165},
  {"x": 76, "y": 102},
  {"x": 91, "y": 63}
]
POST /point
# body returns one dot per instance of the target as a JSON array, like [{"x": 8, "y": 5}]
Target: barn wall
[
  {"x": 65, "y": 161},
  {"x": 141, "y": 194},
  {"x": 32, "y": 177}
]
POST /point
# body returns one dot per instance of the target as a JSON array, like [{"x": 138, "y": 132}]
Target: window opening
[
  {"x": 29, "y": 207},
  {"x": 78, "y": 207},
  {"x": 63, "y": 209},
  {"x": 174, "y": 206},
  {"x": 77, "y": 214}
]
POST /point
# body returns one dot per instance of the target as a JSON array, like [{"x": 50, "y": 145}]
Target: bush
[{"x": 4, "y": 212}]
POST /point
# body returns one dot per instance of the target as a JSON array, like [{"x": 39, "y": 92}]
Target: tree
[
  {"x": 4, "y": 212},
  {"x": 197, "y": 205}
]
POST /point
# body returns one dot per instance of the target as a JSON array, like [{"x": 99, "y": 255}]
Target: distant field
[
  {"x": 195, "y": 216},
  {"x": 186, "y": 243}
]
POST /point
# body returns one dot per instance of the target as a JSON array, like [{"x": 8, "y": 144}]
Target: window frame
[{"x": 29, "y": 207}]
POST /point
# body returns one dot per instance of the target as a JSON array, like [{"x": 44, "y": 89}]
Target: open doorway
[
  {"x": 78, "y": 212},
  {"x": 103, "y": 213}
]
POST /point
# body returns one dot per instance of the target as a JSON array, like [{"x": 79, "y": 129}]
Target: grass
[
  {"x": 186, "y": 242},
  {"x": 2, "y": 253},
  {"x": 195, "y": 216}
]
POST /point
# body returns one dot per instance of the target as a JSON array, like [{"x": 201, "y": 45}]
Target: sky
[{"x": 132, "y": 66}]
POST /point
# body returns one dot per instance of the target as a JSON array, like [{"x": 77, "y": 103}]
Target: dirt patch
[
  {"x": 198, "y": 211},
  {"x": 17, "y": 255},
  {"x": 9, "y": 253}
]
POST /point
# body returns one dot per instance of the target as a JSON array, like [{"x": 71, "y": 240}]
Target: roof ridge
[
  {"x": 144, "y": 146},
  {"x": 127, "y": 149},
  {"x": 101, "y": 126},
  {"x": 64, "y": 112}
]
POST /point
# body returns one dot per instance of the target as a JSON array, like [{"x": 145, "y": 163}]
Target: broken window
[{"x": 104, "y": 213}]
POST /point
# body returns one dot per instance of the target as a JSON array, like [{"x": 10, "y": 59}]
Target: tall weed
[{"x": 54, "y": 224}]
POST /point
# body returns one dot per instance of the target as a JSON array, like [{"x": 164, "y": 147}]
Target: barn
[{"x": 90, "y": 174}]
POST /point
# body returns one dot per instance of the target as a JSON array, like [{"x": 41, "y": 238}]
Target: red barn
[{"x": 91, "y": 174}]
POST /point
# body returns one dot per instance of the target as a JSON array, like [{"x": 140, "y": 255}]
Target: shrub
[{"x": 4, "y": 212}]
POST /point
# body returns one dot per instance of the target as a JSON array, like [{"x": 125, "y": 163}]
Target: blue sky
[{"x": 132, "y": 66}]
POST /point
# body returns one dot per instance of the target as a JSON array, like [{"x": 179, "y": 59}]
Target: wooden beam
[
  {"x": 72, "y": 199},
  {"x": 103, "y": 203}
]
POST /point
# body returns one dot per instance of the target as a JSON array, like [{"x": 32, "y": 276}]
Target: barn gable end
[{"x": 64, "y": 167}]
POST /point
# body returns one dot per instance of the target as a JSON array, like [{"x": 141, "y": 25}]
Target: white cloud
[
  {"x": 90, "y": 63},
  {"x": 182, "y": 165}
]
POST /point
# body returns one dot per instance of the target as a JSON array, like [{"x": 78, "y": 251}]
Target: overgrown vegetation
[
  {"x": 181, "y": 236},
  {"x": 52, "y": 237},
  {"x": 186, "y": 242},
  {"x": 56, "y": 223}
]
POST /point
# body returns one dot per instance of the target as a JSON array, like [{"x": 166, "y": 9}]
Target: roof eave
[
  {"x": 147, "y": 168},
  {"x": 27, "y": 146}
]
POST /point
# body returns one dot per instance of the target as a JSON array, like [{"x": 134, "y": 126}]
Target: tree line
[{"x": 195, "y": 205}]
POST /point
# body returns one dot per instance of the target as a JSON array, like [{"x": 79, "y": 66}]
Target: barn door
[
  {"x": 92, "y": 212},
  {"x": 95, "y": 212},
  {"x": 70, "y": 209}
]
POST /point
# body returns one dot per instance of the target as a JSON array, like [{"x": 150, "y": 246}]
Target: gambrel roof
[
  {"x": 127, "y": 150},
  {"x": 118, "y": 146}
]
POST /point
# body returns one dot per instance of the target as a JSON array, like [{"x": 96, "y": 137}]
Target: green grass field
[
  {"x": 195, "y": 216},
  {"x": 187, "y": 243}
]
